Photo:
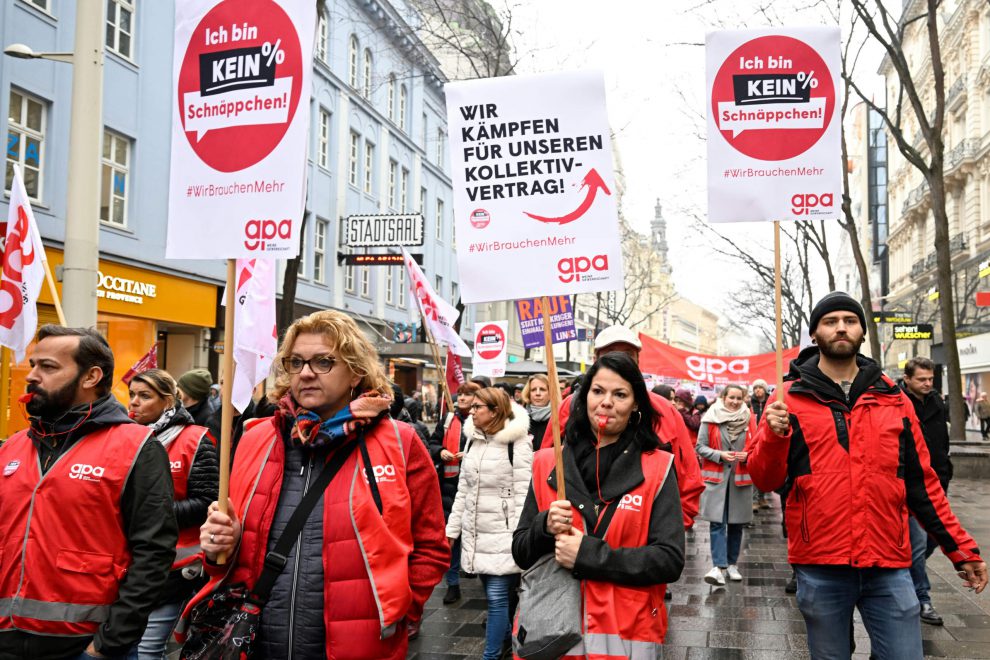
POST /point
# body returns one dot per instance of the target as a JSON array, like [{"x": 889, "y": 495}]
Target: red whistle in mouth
[
  {"x": 131, "y": 414},
  {"x": 25, "y": 398},
  {"x": 602, "y": 421}
]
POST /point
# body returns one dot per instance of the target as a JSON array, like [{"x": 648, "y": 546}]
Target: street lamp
[{"x": 82, "y": 221}]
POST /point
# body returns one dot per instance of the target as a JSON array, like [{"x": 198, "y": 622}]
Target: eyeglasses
[
  {"x": 479, "y": 406},
  {"x": 319, "y": 364}
]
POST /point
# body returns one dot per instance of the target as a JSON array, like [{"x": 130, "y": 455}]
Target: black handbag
[{"x": 225, "y": 625}]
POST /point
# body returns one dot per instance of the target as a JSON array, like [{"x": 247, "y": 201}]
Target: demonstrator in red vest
[
  {"x": 192, "y": 456},
  {"x": 620, "y": 530},
  {"x": 373, "y": 548},
  {"x": 87, "y": 533}
]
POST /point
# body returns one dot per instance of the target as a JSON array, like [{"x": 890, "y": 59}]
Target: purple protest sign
[{"x": 531, "y": 320}]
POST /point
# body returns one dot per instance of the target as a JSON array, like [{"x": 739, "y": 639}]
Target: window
[
  {"x": 25, "y": 141},
  {"x": 426, "y": 129},
  {"x": 422, "y": 202},
  {"x": 391, "y": 96},
  {"x": 352, "y": 174},
  {"x": 352, "y": 63},
  {"x": 120, "y": 26},
  {"x": 404, "y": 191},
  {"x": 454, "y": 293},
  {"x": 301, "y": 264},
  {"x": 389, "y": 284},
  {"x": 40, "y": 4},
  {"x": 439, "y": 219},
  {"x": 365, "y": 282},
  {"x": 323, "y": 40},
  {"x": 403, "y": 97},
  {"x": 320, "y": 253},
  {"x": 393, "y": 174},
  {"x": 113, "y": 188},
  {"x": 349, "y": 279},
  {"x": 440, "y": 140},
  {"x": 369, "y": 166},
  {"x": 323, "y": 148},
  {"x": 366, "y": 87},
  {"x": 401, "y": 291},
  {"x": 439, "y": 288}
]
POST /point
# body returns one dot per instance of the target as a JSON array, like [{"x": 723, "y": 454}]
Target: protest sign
[
  {"x": 773, "y": 124},
  {"x": 531, "y": 313},
  {"x": 241, "y": 85},
  {"x": 533, "y": 184},
  {"x": 490, "y": 349},
  {"x": 662, "y": 359}
]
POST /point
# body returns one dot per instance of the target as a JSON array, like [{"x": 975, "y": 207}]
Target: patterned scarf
[
  {"x": 309, "y": 431},
  {"x": 163, "y": 421}
]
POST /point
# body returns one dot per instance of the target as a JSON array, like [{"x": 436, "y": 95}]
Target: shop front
[
  {"x": 136, "y": 308},
  {"x": 974, "y": 364}
]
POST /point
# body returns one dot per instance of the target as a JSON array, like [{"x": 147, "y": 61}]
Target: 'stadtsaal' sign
[{"x": 384, "y": 230}]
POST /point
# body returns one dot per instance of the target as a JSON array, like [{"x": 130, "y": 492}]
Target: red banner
[
  {"x": 148, "y": 361},
  {"x": 665, "y": 360}
]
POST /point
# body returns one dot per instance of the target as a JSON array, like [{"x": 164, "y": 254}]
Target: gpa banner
[
  {"x": 533, "y": 183},
  {"x": 241, "y": 85},
  {"x": 490, "y": 349},
  {"x": 665, "y": 360},
  {"x": 773, "y": 124},
  {"x": 530, "y": 312}
]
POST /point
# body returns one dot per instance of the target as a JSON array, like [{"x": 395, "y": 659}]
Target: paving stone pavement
[{"x": 755, "y": 619}]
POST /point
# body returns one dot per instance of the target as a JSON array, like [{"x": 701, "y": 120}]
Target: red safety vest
[
  {"x": 619, "y": 621},
  {"x": 63, "y": 550},
  {"x": 711, "y": 471},
  {"x": 181, "y": 456},
  {"x": 452, "y": 443}
]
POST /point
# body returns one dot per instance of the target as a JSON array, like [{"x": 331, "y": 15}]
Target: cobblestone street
[{"x": 754, "y": 619}]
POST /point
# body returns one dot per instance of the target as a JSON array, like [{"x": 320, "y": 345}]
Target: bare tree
[
  {"x": 470, "y": 35},
  {"x": 645, "y": 291}
]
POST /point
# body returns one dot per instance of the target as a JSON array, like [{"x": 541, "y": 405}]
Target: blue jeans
[
  {"x": 921, "y": 549},
  {"x": 886, "y": 600},
  {"x": 726, "y": 540},
  {"x": 155, "y": 638},
  {"x": 498, "y": 630},
  {"x": 453, "y": 573}
]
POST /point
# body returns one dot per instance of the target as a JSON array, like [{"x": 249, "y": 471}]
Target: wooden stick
[
  {"x": 51, "y": 287},
  {"x": 554, "y": 398},
  {"x": 226, "y": 392},
  {"x": 441, "y": 378},
  {"x": 777, "y": 309},
  {"x": 4, "y": 391}
]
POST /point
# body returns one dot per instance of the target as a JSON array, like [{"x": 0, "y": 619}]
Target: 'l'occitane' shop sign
[{"x": 124, "y": 289}]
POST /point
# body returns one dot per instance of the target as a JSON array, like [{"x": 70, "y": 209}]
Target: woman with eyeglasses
[
  {"x": 536, "y": 397},
  {"x": 373, "y": 548},
  {"x": 495, "y": 473}
]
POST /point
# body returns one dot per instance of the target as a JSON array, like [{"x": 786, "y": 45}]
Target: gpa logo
[
  {"x": 577, "y": 269},
  {"x": 11, "y": 468},
  {"x": 809, "y": 204},
  {"x": 707, "y": 369},
  {"x": 176, "y": 466},
  {"x": 85, "y": 472},
  {"x": 383, "y": 473},
  {"x": 632, "y": 503},
  {"x": 260, "y": 232}
]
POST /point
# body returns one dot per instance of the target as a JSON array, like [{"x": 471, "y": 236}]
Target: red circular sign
[
  {"x": 489, "y": 342},
  {"x": 240, "y": 83},
  {"x": 480, "y": 218},
  {"x": 773, "y": 98}
]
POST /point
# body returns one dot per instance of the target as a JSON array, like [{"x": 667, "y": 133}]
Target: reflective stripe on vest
[
  {"x": 614, "y": 646},
  {"x": 45, "y": 611},
  {"x": 452, "y": 443}
]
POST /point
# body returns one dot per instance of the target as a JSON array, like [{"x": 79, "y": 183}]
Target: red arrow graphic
[{"x": 593, "y": 181}]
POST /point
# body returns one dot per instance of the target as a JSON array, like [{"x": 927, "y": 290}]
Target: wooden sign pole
[
  {"x": 777, "y": 308},
  {"x": 554, "y": 398},
  {"x": 226, "y": 392},
  {"x": 441, "y": 378}
]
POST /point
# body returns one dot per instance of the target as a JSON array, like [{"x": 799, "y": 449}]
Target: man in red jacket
[{"x": 850, "y": 442}]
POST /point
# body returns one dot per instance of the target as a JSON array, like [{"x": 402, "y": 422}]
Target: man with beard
[
  {"x": 849, "y": 441},
  {"x": 88, "y": 534}
]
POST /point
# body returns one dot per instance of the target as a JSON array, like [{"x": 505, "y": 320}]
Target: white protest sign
[
  {"x": 490, "y": 349},
  {"x": 774, "y": 97},
  {"x": 241, "y": 85},
  {"x": 533, "y": 184}
]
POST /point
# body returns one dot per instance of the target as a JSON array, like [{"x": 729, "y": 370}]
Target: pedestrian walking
[
  {"x": 194, "y": 393},
  {"x": 983, "y": 412},
  {"x": 371, "y": 551},
  {"x": 620, "y": 530},
  {"x": 724, "y": 442},
  {"x": 495, "y": 473},
  {"x": 88, "y": 526},
  {"x": 414, "y": 406},
  {"x": 536, "y": 399},
  {"x": 684, "y": 402},
  {"x": 758, "y": 403},
  {"x": 154, "y": 402},
  {"x": 850, "y": 442}
]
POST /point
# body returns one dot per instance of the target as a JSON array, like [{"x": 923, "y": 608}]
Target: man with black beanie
[{"x": 849, "y": 442}]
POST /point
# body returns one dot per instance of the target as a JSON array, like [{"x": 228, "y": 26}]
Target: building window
[
  {"x": 403, "y": 98},
  {"x": 404, "y": 191},
  {"x": 389, "y": 284},
  {"x": 352, "y": 175},
  {"x": 323, "y": 40},
  {"x": 40, "y": 4},
  {"x": 441, "y": 138},
  {"x": 349, "y": 279},
  {"x": 454, "y": 293},
  {"x": 113, "y": 188},
  {"x": 301, "y": 264},
  {"x": 422, "y": 202},
  {"x": 369, "y": 166},
  {"x": 365, "y": 282},
  {"x": 320, "y": 252},
  {"x": 401, "y": 290},
  {"x": 25, "y": 141},
  {"x": 352, "y": 63},
  {"x": 366, "y": 88},
  {"x": 323, "y": 148},
  {"x": 391, "y": 97},
  {"x": 393, "y": 174},
  {"x": 120, "y": 26},
  {"x": 439, "y": 286},
  {"x": 439, "y": 219},
  {"x": 426, "y": 129}
]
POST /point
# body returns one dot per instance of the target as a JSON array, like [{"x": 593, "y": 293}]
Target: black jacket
[
  {"x": 448, "y": 487},
  {"x": 149, "y": 524},
  {"x": 202, "y": 413},
  {"x": 934, "y": 420}
]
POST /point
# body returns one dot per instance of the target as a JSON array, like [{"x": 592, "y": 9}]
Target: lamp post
[{"x": 82, "y": 221}]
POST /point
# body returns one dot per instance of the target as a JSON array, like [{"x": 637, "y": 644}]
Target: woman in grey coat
[{"x": 724, "y": 440}]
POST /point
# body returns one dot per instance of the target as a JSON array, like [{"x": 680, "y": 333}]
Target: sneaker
[
  {"x": 930, "y": 616},
  {"x": 413, "y": 628},
  {"x": 453, "y": 594},
  {"x": 734, "y": 573},
  {"x": 668, "y": 595},
  {"x": 791, "y": 586},
  {"x": 715, "y": 577}
]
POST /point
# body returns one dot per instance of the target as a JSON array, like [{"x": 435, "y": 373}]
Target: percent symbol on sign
[
  {"x": 274, "y": 53},
  {"x": 807, "y": 79}
]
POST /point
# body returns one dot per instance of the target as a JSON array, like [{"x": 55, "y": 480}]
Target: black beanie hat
[{"x": 837, "y": 301}]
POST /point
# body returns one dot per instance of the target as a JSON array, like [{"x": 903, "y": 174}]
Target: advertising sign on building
[
  {"x": 533, "y": 183},
  {"x": 490, "y": 349},
  {"x": 915, "y": 331},
  {"x": 241, "y": 87},
  {"x": 561, "y": 313},
  {"x": 888, "y": 316},
  {"x": 384, "y": 230},
  {"x": 774, "y": 124}
]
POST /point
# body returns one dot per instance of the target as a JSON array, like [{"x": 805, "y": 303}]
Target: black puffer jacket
[
  {"x": 934, "y": 426},
  {"x": 448, "y": 487}
]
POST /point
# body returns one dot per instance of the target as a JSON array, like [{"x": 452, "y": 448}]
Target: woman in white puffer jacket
[{"x": 495, "y": 474}]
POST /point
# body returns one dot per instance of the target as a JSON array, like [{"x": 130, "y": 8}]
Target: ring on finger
[{"x": 213, "y": 538}]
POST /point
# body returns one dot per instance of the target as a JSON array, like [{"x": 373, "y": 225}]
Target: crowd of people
[{"x": 346, "y": 511}]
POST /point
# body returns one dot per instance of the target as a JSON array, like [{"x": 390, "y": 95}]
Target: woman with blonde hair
[
  {"x": 371, "y": 550},
  {"x": 536, "y": 397}
]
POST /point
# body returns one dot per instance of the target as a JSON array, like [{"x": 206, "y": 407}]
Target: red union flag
[
  {"x": 23, "y": 272},
  {"x": 665, "y": 360},
  {"x": 149, "y": 361},
  {"x": 438, "y": 314}
]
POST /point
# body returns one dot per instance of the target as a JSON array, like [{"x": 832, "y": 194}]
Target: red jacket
[
  {"x": 181, "y": 456},
  {"x": 379, "y": 568},
  {"x": 669, "y": 427},
  {"x": 856, "y": 472}
]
